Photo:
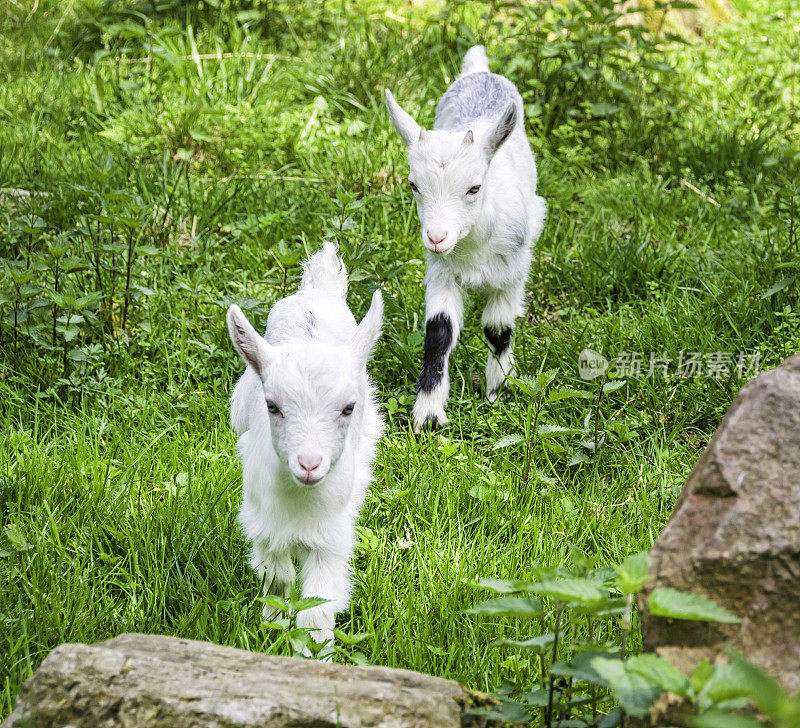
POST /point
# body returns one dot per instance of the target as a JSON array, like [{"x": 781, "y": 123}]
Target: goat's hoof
[
  {"x": 500, "y": 392},
  {"x": 430, "y": 423}
]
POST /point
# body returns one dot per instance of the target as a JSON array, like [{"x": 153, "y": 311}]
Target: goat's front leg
[
  {"x": 444, "y": 311},
  {"x": 277, "y": 573},
  {"x": 502, "y": 308},
  {"x": 325, "y": 575}
]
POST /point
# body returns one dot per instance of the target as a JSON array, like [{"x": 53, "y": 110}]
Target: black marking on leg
[
  {"x": 431, "y": 423},
  {"x": 499, "y": 338},
  {"x": 438, "y": 338}
]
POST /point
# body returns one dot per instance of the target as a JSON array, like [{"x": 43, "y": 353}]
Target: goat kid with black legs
[
  {"x": 308, "y": 424},
  {"x": 474, "y": 180}
]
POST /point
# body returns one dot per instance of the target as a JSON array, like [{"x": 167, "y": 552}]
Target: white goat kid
[
  {"x": 474, "y": 179},
  {"x": 308, "y": 425}
]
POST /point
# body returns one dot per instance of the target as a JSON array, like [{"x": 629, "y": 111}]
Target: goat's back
[
  {"x": 310, "y": 315},
  {"x": 474, "y": 97}
]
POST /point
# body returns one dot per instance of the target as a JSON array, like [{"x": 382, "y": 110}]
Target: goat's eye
[
  {"x": 414, "y": 188},
  {"x": 347, "y": 411},
  {"x": 272, "y": 408},
  {"x": 473, "y": 190}
]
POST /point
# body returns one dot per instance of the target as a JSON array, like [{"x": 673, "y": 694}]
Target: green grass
[{"x": 117, "y": 466}]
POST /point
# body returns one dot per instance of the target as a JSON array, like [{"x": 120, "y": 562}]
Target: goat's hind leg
[{"x": 502, "y": 308}]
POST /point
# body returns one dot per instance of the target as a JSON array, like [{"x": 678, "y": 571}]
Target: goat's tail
[
  {"x": 475, "y": 61},
  {"x": 325, "y": 271}
]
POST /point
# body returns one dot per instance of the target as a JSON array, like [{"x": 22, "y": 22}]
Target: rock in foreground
[
  {"x": 148, "y": 681},
  {"x": 735, "y": 535}
]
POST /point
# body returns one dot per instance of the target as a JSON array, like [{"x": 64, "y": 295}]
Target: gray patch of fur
[{"x": 476, "y": 96}]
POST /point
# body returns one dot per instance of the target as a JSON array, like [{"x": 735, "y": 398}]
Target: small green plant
[{"x": 598, "y": 683}]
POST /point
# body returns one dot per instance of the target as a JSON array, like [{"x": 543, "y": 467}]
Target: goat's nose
[
  {"x": 309, "y": 461},
  {"x": 436, "y": 235}
]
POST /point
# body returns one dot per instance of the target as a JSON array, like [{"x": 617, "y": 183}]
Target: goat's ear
[
  {"x": 502, "y": 129},
  {"x": 368, "y": 331},
  {"x": 407, "y": 128},
  {"x": 252, "y": 347}
]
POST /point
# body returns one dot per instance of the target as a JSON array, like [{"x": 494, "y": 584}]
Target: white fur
[
  {"x": 311, "y": 363},
  {"x": 482, "y": 239}
]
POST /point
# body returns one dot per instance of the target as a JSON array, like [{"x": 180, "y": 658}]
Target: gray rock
[
  {"x": 734, "y": 535},
  {"x": 149, "y": 681}
]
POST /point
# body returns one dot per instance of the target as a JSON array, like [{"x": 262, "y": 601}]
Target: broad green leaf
[
  {"x": 503, "y": 586},
  {"x": 777, "y": 287},
  {"x": 726, "y": 682},
  {"x": 614, "y": 386},
  {"x": 17, "y": 538},
  {"x": 701, "y": 675},
  {"x": 767, "y": 694},
  {"x": 300, "y": 605},
  {"x": 570, "y": 590},
  {"x": 547, "y": 430},
  {"x": 578, "y": 457},
  {"x": 657, "y": 671},
  {"x": 274, "y": 601},
  {"x": 299, "y": 639},
  {"x": 506, "y": 441},
  {"x": 528, "y": 385},
  {"x": 540, "y": 645},
  {"x": 351, "y": 639},
  {"x": 666, "y": 602},
  {"x": 509, "y": 607},
  {"x": 580, "y": 667},
  {"x": 506, "y": 711},
  {"x": 635, "y": 694},
  {"x": 724, "y": 720},
  {"x": 611, "y": 719},
  {"x": 555, "y": 395},
  {"x": 632, "y": 573},
  {"x": 536, "y": 697}
]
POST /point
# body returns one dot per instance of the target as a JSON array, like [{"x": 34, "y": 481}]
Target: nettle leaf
[
  {"x": 509, "y": 607},
  {"x": 614, "y": 386},
  {"x": 571, "y": 590},
  {"x": 507, "y": 441},
  {"x": 578, "y": 457},
  {"x": 580, "y": 667},
  {"x": 633, "y": 573},
  {"x": 540, "y": 645},
  {"x": 547, "y": 430},
  {"x": 611, "y": 719},
  {"x": 657, "y": 671},
  {"x": 299, "y": 639},
  {"x": 635, "y": 694},
  {"x": 715, "y": 719},
  {"x": 17, "y": 538},
  {"x": 300, "y": 605},
  {"x": 666, "y": 602},
  {"x": 536, "y": 697},
  {"x": 766, "y": 692},
  {"x": 555, "y": 395},
  {"x": 502, "y": 586},
  {"x": 777, "y": 287},
  {"x": 528, "y": 385},
  {"x": 351, "y": 639},
  {"x": 275, "y": 601},
  {"x": 505, "y": 712},
  {"x": 701, "y": 675},
  {"x": 726, "y": 682}
]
